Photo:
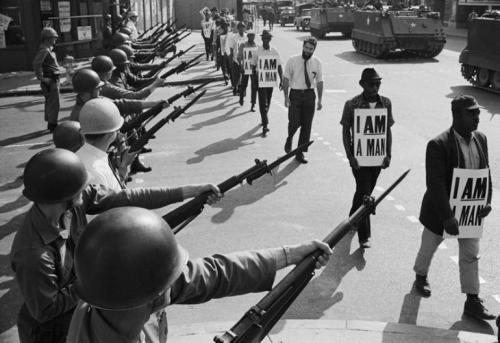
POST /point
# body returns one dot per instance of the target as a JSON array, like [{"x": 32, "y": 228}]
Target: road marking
[
  {"x": 320, "y": 138},
  {"x": 390, "y": 198},
  {"x": 454, "y": 259},
  {"x": 335, "y": 91},
  {"x": 481, "y": 280},
  {"x": 413, "y": 219},
  {"x": 496, "y": 297},
  {"x": 380, "y": 189},
  {"x": 345, "y": 160},
  {"x": 139, "y": 181},
  {"x": 326, "y": 143},
  {"x": 316, "y": 134},
  {"x": 339, "y": 154},
  {"x": 400, "y": 207}
]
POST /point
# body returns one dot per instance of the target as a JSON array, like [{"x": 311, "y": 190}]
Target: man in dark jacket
[{"x": 459, "y": 147}]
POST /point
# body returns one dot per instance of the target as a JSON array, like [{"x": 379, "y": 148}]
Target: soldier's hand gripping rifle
[
  {"x": 135, "y": 123},
  {"x": 144, "y": 139},
  {"x": 188, "y": 91},
  {"x": 184, "y": 214},
  {"x": 260, "y": 319},
  {"x": 181, "y": 67}
]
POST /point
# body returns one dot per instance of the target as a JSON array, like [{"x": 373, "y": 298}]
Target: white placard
[
  {"x": 268, "y": 71},
  {"x": 370, "y": 136},
  {"x": 84, "y": 32},
  {"x": 45, "y": 5},
  {"x": 469, "y": 194},
  {"x": 207, "y": 28},
  {"x": 64, "y": 11},
  {"x": 247, "y": 60},
  {"x": 4, "y": 22},
  {"x": 3, "y": 45}
]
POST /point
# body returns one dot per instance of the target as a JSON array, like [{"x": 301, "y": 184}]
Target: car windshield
[{"x": 306, "y": 12}]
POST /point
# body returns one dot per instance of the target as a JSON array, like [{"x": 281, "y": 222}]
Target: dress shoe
[
  {"x": 300, "y": 157},
  {"x": 137, "y": 167},
  {"x": 474, "y": 307},
  {"x": 265, "y": 129},
  {"x": 288, "y": 145},
  {"x": 252, "y": 109},
  {"x": 145, "y": 150},
  {"x": 365, "y": 244},
  {"x": 51, "y": 127},
  {"x": 422, "y": 284},
  {"x": 242, "y": 101}
]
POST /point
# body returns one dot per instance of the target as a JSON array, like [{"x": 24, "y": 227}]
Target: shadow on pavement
[
  {"x": 396, "y": 57},
  {"x": 321, "y": 293},
  {"x": 21, "y": 201},
  {"x": 18, "y": 182},
  {"x": 23, "y": 138},
  {"x": 223, "y": 146},
  {"x": 411, "y": 305},
  {"x": 249, "y": 194},
  {"x": 472, "y": 324}
]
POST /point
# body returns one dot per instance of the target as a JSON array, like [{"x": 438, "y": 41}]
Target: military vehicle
[
  {"x": 286, "y": 16},
  {"x": 302, "y": 16},
  {"x": 377, "y": 33},
  {"x": 331, "y": 19},
  {"x": 481, "y": 58}
]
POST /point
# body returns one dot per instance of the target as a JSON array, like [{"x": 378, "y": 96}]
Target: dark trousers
[
  {"x": 208, "y": 47},
  {"x": 366, "y": 179},
  {"x": 236, "y": 72},
  {"x": 253, "y": 87},
  {"x": 265, "y": 96},
  {"x": 53, "y": 331},
  {"x": 301, "y": 114},
  {"x": 51, "y": 94}
]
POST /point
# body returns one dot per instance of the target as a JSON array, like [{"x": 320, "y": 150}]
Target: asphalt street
[{"x": 217, "y": 138}]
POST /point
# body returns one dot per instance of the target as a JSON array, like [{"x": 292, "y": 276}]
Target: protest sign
[{"x": 370, "y": 136}]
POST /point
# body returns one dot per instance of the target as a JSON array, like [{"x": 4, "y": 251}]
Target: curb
[{"x": 66, "y": 90}]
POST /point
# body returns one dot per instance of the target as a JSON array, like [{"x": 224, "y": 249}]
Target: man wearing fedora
[
  {"x": 303, "y": 73},
  {"x": 459, "y": 147},
  {"x": 265, "y": 93},
  {"x": 366, "y": 177}
]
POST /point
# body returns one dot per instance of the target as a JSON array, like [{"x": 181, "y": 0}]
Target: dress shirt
[
  {"x": 236, "y": 42},
  {"x": 294, "y": 72},
  {"x": 96, "y": 162},
  {"x": 469, "y": 150}
]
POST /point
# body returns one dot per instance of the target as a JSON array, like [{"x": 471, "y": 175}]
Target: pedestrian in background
[
  {"x": 303, "y": 73},
  {"x": 47, "y": 71},
  {"x": 366, "y": 177},
  {"x": 250, "y": 43},
  {"x": 459, "y": 147}
]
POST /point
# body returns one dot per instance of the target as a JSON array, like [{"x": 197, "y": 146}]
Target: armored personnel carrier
[
  {"x": 328, "y": 19},
  {"x": 377, "y": 33},
  {"x": 481, "y": 58}
]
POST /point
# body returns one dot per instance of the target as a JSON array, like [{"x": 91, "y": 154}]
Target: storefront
[{"x": 78, "y": 22}]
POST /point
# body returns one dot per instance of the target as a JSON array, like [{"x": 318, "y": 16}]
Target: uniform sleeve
[
  {"x": 38, "y": 63},
  {"x": 224, "y": 275},
  {"x": 114, "y": 92},
  {"x": 36, "y": 275},
  {"x": 98, "y": 198},
  {"x": 127, "y": 107}
]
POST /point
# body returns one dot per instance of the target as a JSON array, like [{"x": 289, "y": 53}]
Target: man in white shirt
[
  {"x": 228, "y": 43},
  {"x": 236, "y": 41},
  {"x": 206, "y": 33},
  {"x": 265, "y": 92},
  {"x": 132, "y": 25},
  {"x": 303, "y": 73},
  {"x": 101, "y": 121}
]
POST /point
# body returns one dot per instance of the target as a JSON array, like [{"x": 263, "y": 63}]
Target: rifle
[
  {"x": 181, "y": 67},
  {"x": 190, "y": 90},
  {"x": 260, "y": 319},
  {"x": 141, "y": 118},
  {"x": 190, "y": 210},
  {"x": 124, "y": 17},
  {"x": 162, "y": 65},
  {"x": 144, "y": 139},
  {"x": 155, "y": 28}
]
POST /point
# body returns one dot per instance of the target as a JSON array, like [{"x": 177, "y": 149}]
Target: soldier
[
  {"x": 366, "y": 177},
  {"x": 266, "y": 93},
  {"x": 459, "y": 147},
  {"x": 47, "y": 71},
  {"x": 101, "y": 121},
  {"x": 122, "y": 77},
  {"x": 135, "y": 67},
  {"x": 107, "y": 32},
  {"x": 250, "y": 43},
  {"x": 146, "y": 271},
  {"x": 302, "y": 74},
  {"x": 42, "y": 251}
]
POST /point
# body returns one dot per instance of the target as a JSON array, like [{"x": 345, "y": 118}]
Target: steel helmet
[
  {"x": 102, "y": 64},
  {"x": 141, "y": 263},
  {"x": 100, "y": 116},
  {"x": 120, "y": 38},
  {"x": 48, "y": 32},
  {"x": 128, "y": 51},
  {"x": 85, "y": 81},
  {"x": 69, "y": 136},
  {"x": 118, "y": 57},
  {"x": 54, "y": 176},
  {"x": 126, "y": 30}
]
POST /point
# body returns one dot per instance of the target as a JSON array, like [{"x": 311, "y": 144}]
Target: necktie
[{"x": 308, "y": 82}]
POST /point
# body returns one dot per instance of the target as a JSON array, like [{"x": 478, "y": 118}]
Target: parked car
[
  {"x": 302, "y": 16},
  {"x": 286, "y": 16}
]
